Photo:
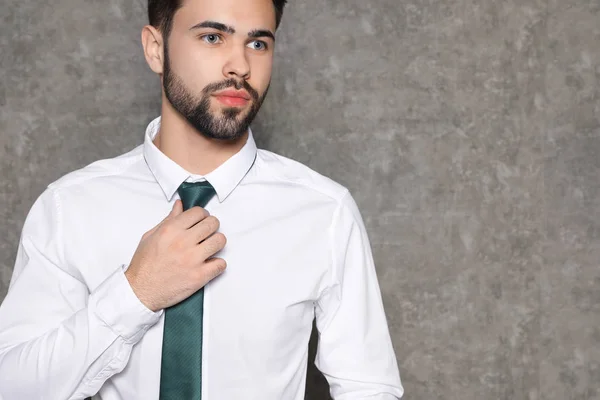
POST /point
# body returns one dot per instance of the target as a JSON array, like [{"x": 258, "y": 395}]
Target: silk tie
[{"x": 181, "y": 366}]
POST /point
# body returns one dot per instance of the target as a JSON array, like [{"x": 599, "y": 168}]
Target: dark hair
[{"x": 161, "y": 12}]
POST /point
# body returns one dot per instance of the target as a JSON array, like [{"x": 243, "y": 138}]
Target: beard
[{"x": 228, "y": 124}]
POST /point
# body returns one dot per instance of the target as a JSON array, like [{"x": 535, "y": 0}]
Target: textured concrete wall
[{"x": 467, "y": 130}]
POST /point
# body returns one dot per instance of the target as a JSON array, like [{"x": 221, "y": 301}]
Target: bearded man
[{"x": 193, "y": 266}]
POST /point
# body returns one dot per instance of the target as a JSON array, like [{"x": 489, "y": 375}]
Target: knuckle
[
  {"x": 166, "y": 230},
  {"x": 212, "y": 223},
  {"x": 199, "y": 212},
  {"x": 220, "y": 239},
  {"x": 218, "y": 268},
  {"x": 220, "y": 264},
  {"x": 211, "y": 247},
  {"x": 211, "y": 269}
]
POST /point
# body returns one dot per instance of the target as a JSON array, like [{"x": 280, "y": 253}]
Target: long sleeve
[
  {"x": 355, "y": 351},
  {"x": 58, "y": 340}
]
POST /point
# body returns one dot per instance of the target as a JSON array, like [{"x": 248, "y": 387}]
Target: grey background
[{"x": 467, "y": 130}]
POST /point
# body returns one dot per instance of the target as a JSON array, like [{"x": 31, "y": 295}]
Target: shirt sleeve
[
  {"x": 58, "y": 340},
  {"x": 355, "y": 352}
]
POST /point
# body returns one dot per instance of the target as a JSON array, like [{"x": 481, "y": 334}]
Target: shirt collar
[{"x": 170, "y": 175}]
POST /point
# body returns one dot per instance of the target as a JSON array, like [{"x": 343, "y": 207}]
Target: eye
[
  {"x": 211, "y": 38},
  {"x": 258, "y": 45}
]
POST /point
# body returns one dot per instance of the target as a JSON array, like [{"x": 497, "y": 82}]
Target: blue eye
[
  {"x": 258, "y": 45},
  {"x": 211, "y": 38}
]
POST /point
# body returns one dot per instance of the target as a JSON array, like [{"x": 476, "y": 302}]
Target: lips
[
  {"x": 233, "y": 98},
  {"x": 241, "y": 94}
]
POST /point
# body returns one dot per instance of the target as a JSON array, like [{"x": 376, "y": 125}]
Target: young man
[{"x": 94, "y": 309}]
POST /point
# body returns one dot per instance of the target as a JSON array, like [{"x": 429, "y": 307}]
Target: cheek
[
  {"x": 195, "y": 67},
  {"x": 261, "y": 73}
]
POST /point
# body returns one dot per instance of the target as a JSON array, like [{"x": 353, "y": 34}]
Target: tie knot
[{"x": 195, "y": 194}]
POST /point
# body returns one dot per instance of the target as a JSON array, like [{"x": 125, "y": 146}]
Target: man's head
[{"x": 215, "y": 58}]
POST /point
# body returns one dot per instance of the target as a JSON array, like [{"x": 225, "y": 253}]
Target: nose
[{"x": 237, "y": 65}]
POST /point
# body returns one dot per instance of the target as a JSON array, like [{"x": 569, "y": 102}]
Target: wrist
[
  {"x": 137, "y": 288},
  {"x": 115, "y": 303}
]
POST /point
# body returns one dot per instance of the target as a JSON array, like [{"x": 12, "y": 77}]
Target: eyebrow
[
  {"x": 214, "y": 25},
  {"x": 257, "y": 33}
]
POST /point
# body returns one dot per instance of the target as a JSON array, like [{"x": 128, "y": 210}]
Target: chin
[{"x": 237, "y": 113}]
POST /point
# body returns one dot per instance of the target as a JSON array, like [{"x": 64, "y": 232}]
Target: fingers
[
  {"x": 203, "y": 229},
  {"x": 210, "y": 270},
  {"x": 189, "y": 218},
  {"x": 210, "y": 246}
]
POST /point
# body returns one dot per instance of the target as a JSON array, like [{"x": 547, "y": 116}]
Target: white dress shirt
[{"x": 72, "y": 327}]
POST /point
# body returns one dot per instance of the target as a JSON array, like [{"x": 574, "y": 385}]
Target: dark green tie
[{"x": 181, "y": 366}]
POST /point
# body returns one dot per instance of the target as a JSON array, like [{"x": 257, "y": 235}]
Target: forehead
[{"x": 243, "y": 15}]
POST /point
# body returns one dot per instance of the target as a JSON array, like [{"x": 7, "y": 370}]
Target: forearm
[
  {"x": 73, "y": 360},
  {"x": 62, "y": 362}
]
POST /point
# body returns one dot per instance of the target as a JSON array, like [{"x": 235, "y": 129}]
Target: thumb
[{"x": 177, "y": 209}]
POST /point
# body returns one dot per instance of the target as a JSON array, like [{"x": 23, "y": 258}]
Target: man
[{"x": 93, "y": 309}]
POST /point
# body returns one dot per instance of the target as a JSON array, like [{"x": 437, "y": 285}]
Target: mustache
[{"x": 231, "y": 83}]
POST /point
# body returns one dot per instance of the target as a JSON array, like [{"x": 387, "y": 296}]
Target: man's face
[{"x": 218, "y": 61}]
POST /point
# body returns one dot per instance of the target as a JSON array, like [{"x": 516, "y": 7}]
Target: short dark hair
[{"x": 161, "y": 12}]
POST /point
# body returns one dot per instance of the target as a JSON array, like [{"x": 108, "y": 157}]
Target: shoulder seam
[
  {"x": 110, "y": 172},
  {"x": 295, "y": 182}
]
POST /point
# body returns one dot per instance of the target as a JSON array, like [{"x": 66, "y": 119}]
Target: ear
[{"x": 152, "y": 41}]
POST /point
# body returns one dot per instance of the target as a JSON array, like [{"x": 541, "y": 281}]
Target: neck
[{"x": 190, "y": 149}]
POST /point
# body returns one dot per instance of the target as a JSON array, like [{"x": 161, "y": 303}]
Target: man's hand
[{"x": 173, "y": 261}]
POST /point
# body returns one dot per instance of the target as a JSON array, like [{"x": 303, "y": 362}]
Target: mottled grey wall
[{"x": 467, "y": 130}]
